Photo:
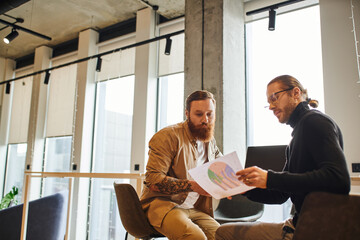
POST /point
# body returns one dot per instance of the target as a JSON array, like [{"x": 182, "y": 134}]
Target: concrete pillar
[
  {"x": 144, "y": 116},
  {"x": 341, "y": 73},
  {"x": 37, "y": 118},
  {"x": 7, "y": 67},
  {"x": 214, "y": 61},
  {"x": 83, "y": 133}
]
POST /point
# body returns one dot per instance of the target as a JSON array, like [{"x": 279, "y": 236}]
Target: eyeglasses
[{"x": 273, "y": 98}]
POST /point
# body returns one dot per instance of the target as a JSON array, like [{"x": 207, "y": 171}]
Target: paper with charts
[{"x": 218, "y": 176}]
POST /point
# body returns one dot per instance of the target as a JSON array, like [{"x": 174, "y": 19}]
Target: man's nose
[
  {"x": 205, "y": 119},
  {"x": 271, "y": 106}
]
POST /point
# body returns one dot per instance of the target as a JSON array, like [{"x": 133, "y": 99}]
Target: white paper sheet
[{"x": 218, "y": 177}]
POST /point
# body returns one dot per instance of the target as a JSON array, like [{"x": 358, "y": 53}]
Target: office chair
[
  {"x": 132, "y": 215},
  {"x": 241, "y": 209},
  {"x": 238, "y": 209}
]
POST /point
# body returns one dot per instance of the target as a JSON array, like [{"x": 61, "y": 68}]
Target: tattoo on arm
[{"x": 173, "y": 186}]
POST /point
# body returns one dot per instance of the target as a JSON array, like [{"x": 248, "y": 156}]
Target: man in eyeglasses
[
  {"x": 315, "y": 162},
  {"x": 175, "y": 204}
]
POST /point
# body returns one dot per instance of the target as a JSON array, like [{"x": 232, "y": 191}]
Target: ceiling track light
[
  {"x": 272, "y": 17},
  {"x": 11, "y": 36},
  {"x": 272, "y": 12},
  {"x": 19, "y": 28},
  {"x": 98, "y": 64},
  {"x": 168, "y": 46},
  {"x": 47, "y": 77},
  {"x": 7, "y": 88}
]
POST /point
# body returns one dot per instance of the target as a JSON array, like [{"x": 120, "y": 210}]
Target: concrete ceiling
[{"x": 62, "y": 20}]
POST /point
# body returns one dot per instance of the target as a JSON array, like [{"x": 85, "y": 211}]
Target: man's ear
[
  {"x": 297, "y": 92},
  {"x": 187, "y": 114}
]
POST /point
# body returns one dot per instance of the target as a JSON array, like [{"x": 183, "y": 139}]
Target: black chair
[
  {"x": 46, "y": 219},
  {"x": 132, "y": 215},
  {"x": 238, "y": 209}
]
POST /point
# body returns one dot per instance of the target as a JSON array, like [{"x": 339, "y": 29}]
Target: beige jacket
[{"x": 172, "y": 152}]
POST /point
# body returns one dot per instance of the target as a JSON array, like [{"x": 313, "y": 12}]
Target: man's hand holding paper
[
  {"x": 218, "y": 177},
  {"x": 253, "y": 176}
]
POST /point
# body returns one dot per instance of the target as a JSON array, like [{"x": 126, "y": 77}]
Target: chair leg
[{"x": 126, "y": 235}]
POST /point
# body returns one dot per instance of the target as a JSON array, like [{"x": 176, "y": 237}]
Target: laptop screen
[{"x": 266, "y": 157}]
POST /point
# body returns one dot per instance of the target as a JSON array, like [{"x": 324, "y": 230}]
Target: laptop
[{"x": 266, "y": 157}]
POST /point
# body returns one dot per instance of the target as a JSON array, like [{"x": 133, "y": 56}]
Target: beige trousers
[
  {"x": 256, "y": 231},
  {"x": 188, "y": 224}
]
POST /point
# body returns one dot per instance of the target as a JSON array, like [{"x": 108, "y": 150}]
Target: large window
[
  {"x": 15, "y": 167},
  {"x": 59, "y": 123},
  {"x": 19, "y": 122},
  {"x": 294, "y": 48},
  {"x": 57, "y": 159},
  {"x": 171, "y": 100},
  {"x": 171, "y": 76},
  {"x": 112, "y": 148}
]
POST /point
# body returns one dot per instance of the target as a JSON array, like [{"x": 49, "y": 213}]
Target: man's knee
[
  {"x": 183, "y": 230},
  {"x": 249, "y": 230},
  {"x": 209, "y": 229},
  {"x": 191, "y": 234},
  {"x": 197, "y": 235}
]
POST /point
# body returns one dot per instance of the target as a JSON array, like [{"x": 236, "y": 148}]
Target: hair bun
[{"x": 313, "y": 103}]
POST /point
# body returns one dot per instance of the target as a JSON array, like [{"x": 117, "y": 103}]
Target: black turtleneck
[{"x": 315, "y": 161}]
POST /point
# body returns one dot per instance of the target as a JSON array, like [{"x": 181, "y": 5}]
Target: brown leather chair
[
  {"x": 132, "y": 215},
  {"x": 329, "y": 216}
]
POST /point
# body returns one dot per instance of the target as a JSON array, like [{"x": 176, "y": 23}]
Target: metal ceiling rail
[
  {"x": 24, "y": 29},
  {"x": 96, "y": 56}
]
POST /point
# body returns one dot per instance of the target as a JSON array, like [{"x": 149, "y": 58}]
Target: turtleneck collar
[{"x": 296, "y": 115}]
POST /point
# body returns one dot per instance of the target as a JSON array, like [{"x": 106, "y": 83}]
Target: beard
[
  {"x": 287, "y": 111},
  {"x": 200, "y": 132}
]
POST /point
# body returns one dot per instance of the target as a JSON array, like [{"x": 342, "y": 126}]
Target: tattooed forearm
[{"x": 173, "y": 186}]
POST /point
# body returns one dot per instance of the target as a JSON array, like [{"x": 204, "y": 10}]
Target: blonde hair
[{"x": 291, "y": 82}]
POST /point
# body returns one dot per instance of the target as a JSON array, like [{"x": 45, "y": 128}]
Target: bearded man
[
  {"x": 176, "y": 205},
  {"x": 315, "y": 162}
]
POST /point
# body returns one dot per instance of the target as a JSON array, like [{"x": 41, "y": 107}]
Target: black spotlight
[
  {"x": 47, "y": 77},
  {"x": 7, "y": 88},
  {"x": 272, "y": 16},
  {"x": 168, "y": 46},
  {"x": 11, "y": 36},
  {"x": 98, "y": 64}
]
